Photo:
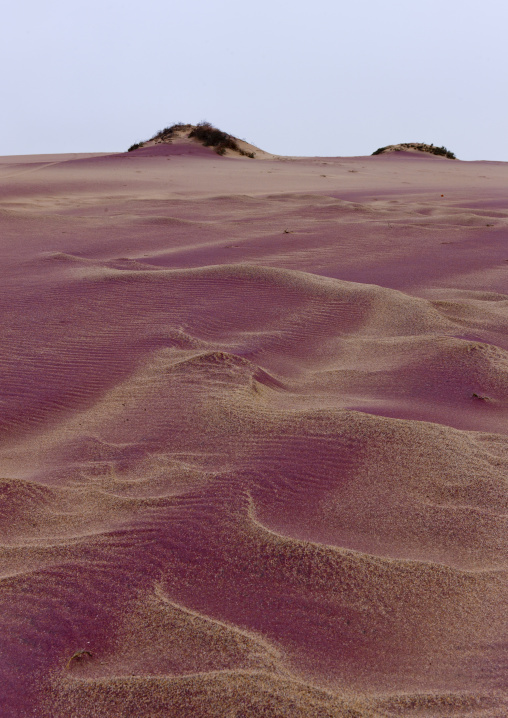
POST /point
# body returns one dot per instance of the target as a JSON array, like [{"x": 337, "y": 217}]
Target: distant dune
[
  {"x": 254, "y": 425},
  {"x": 206, "y": 135},
  {"x": 416, "y": 147}
]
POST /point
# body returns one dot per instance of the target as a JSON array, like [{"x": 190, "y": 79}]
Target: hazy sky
[{"x": 300, "y": 78}]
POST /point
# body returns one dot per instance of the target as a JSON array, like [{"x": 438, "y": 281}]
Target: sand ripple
[{"x": 254, "y": 445}]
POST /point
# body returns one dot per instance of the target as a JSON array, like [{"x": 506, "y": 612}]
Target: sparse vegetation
[
  {"x": 204, "y": 132},
  {"x": 168, "y": 132},
  {"x": 136, "y": 146},
  {"x": 420, "y": 146},
  {"x": 210, "y": 136}
]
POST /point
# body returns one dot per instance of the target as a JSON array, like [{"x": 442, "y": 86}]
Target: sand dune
[{"x": 254, "y": 435}]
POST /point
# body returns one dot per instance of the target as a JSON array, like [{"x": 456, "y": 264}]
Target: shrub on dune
[
  {"x": 210, "y": 136},
  {"x": 420, "y": 146},
  {"x": 204, "y": 132}
]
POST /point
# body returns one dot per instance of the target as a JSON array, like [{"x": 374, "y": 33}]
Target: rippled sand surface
[{"x": 254, "y": 449}]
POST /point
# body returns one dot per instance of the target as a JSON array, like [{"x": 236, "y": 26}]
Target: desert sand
[{"x": 254, "y": 451}]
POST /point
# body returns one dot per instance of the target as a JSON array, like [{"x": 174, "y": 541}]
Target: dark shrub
[
  {"x": 136, "y": 146},
  {"x": 212, "y": 137},
  {"x": 443, "y": 151}
]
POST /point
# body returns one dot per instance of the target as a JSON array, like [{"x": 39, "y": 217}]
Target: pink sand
[{"x": 254, "y": 421}]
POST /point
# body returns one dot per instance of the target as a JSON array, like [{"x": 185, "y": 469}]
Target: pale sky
[{"x": 328, "y": 77}]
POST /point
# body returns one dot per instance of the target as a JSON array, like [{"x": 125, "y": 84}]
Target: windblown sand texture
[{"x": 254, "y": 446}]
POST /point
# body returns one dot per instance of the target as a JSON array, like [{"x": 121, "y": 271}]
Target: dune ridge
[{"x": 254, "y": 436}]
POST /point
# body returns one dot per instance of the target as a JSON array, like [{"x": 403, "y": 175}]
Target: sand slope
[{"x": 254, "y": 436}]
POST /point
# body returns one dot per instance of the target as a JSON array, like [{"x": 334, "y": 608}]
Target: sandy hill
[
  {"x": 206, "y": 135},
  {"x": 416, "y": 147}
]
